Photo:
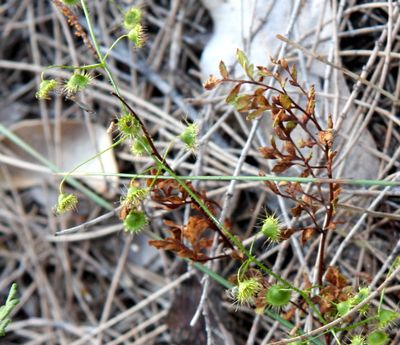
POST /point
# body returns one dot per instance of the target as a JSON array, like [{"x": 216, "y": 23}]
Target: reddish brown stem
[{"x": 161, "y": 160}]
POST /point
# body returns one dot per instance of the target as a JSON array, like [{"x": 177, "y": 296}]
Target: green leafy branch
[{"x": 6, "y": 309}]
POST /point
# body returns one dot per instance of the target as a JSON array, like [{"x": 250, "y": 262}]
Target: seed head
[
  {"x": 189, "y": 136},
  {"x": 135, "y": 221},
  {"x": 246, "y": 290},
  {"x": 270, "y": 228},
  {"x": 357, "y": 340},
  {"x": 377, "y": 338},
  {"x": 65, "y": 203},
  {"x": 135, "y": 196},
  {"x": 136, "y": 35},
  {"x": 387, "y": 317},
  {"x": 278, "y": 296},
  {"x": 45, "y": 87},
  {"x": 140, "y": 146},
  {"x": 343, "y": 307},
  {"x": 128, "y": 125},
  {"x": 132, "y": 17},
  {"x": 77, "y": 82}
]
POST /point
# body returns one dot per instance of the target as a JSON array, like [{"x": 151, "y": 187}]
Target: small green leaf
[
  {"x": 250, "y": 71},
  {"x": 223, "y": 70},
  {"x": 6, "y": 309},
  {"x": 242, "y": 58},
  {"x": 290, "y": 126}
]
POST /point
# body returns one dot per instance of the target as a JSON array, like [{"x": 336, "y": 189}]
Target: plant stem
[
  {"x": 254, "y": 178},
  {"x": 97, "y": 47},
  {"x": 219, "y": 227}
]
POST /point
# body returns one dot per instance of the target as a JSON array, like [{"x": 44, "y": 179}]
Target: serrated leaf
[
  {"x": 242, "y": 58},
  {"x": 223, "y": 70},
  {"x": 233, "y": 94}
]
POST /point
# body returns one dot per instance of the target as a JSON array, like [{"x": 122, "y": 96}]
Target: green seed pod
[
  {"x": 189, "y": 136},
  {"x": 77, "y": 82},
  {"x": 359, "y": 297},
  {"x": 247, "y": 290},
  {"x": 65, "y": 203},
  {"x": 270, "y": 228},
  {"x": 128, "y": 125},
  {"x": 377, "y": 338},
  {"x": 45, "y": 87},
  {"x": 140, "y": 146},
  {"x": 132, "y": 17},
  {"x": 386, "y": 317},
  {"x": 136, "y": 35},
  {"x": 135, "y": 196},
  {"x": 357, "y": 340},
  {"x": 278, "y": 296},
  {"x": 135, "y": 221},
  {"x": 343, "y": 307}
]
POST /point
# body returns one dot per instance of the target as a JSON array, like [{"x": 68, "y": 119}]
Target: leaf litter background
[{"x": 100, "y": 285}]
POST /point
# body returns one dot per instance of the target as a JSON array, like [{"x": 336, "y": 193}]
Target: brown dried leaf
[
  {"x": 271, "y": 185},
  {"x": 284, "y": 64},
  {"x": 290, "y": 149},
  {"x": 264, "y": 71},
  {"x": 296, "y": 211},
  {"x": 326, "y": 137},
  {"x": 194, "y": 229},
  {"x": 294, "y": 74},
  {"x": 267, "y": 152},
  {"x": 334, "y": 277},
  {"x": 306, "y": 235},
  {"x": 211, "y": 82},
  {"x": 309, "y": 143},
  {"x": 281, "y": 166}
]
